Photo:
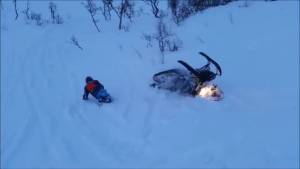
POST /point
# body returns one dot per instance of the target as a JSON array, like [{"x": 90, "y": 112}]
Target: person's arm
[{"x": 86, "y": 94}]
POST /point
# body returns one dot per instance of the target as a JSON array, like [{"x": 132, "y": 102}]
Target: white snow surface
[{"x": 46, "y": 124}]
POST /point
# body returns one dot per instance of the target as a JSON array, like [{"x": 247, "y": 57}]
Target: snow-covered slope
[{"x": 45, "y": 123}]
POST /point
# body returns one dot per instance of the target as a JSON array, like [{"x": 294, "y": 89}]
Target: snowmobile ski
[{"x": 219, "y": 70}]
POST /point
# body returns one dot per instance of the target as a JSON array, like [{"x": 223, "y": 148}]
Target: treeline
[{"x": 122, "y": 9}]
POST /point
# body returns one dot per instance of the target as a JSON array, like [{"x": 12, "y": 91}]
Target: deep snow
[{"x": 46, "y": 124}]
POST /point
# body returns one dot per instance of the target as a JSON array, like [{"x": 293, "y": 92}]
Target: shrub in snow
[
  {"x": 167, "y": 41},
  {"x": 179, "y": 9},
  {"x": 199, "y": 5},
  {"x": 26, "y": 11},
  {"x": 182, "y": 9},
  {"x": 173, "y": 43},
  {"x": 37, "y": 17},
  {"x": 31, "y": 16},
  {"x": 148, "y": 39},
  {"x": 75, "y": 42}
]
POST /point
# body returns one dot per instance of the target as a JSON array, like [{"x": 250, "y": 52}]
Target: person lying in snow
[{"x": 96, "y": 89}]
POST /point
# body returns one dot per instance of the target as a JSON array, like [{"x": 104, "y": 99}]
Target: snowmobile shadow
[{"x": 190, "y": 81}]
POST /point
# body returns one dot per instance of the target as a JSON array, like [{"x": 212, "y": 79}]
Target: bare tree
[
  {"x": 107, "y": 8},
  {"x": 16, "y": 11},
  {"x": 154, "y": 6},
  {"x": 173, "y": 4},
  {"x": 162, "y": 35},
  {"x": 55, "y": 17},
  {"x": 52, "y": 8},
  {"x": 121, "y": 11},
  {"x": 167, "y": 41},
  {"x": 124, "y": 10},
  {"x": 92, "y": 9},
  {"x": 26, "y": 11}
]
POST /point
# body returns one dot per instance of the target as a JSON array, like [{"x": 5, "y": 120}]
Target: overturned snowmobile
[{"x": 194, "y": 82}]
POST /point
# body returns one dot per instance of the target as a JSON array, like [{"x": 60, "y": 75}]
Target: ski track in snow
[{"x": 43, "y": 121}]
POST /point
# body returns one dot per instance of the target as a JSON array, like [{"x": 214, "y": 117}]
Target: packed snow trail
[{"x": 46, "y": 124}]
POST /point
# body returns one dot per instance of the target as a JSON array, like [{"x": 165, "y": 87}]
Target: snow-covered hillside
[{"x": 46, "y": 124}]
